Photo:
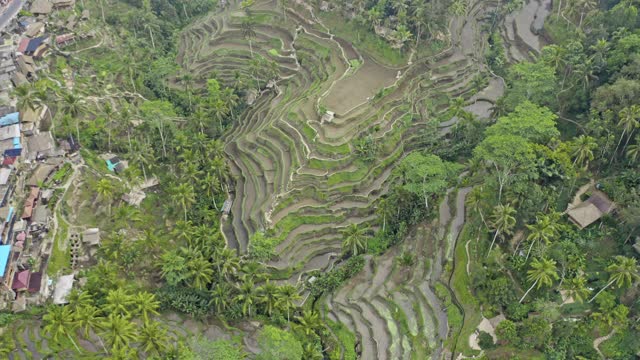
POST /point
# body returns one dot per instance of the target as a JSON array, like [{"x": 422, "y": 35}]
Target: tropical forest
[{"x": 321, "y": 180}]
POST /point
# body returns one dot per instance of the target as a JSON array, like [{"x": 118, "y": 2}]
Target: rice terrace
[{"x": 320, "y": 179}]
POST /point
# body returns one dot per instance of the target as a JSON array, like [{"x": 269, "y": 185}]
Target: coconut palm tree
[
  {"x": 183, "y": 195},
  {"x": 576, "y": 288},
  {"x": 502, "y": 222},
  {"x": 220, "y": 297},
  {"x": 153, "y": 338},
  {"x": 73, "y": 105},
  {"x": 119, "y": 331},
  {"x": 542, "y": 272},
  {"x": 227, "y": 262},
  {"x": 309, "y": 323},
  {"x": 145, "y": 303},
  {"x": 27, "y": 98},
  {"x": 628, "y": 122},
  {"x": 582, "y": 152},
  {"x": 88, "y": 318},
  {"x": 354, "y": 241},
  {"x": 543, "y": 230},
  {"x": 78, "y": 298},
  {"x": 253, "y": 270},
  {"x": 246, "y": 296},
  {"x": 248, "y": 31},
  {"x": 200, "y": 272},
  {"x": 622, "y": 273},
  {"x": 119, "y": 302},
  {"x": 59, "y": 321},
  {"x": 633, "y": 152},
  {"x": 187, "y": 81},
  {"x": 288, "y": 297},
  {"x": 268, "y": 296},
  {"x": 475, "y": 200},
  {"x": 106, "y": 191}
]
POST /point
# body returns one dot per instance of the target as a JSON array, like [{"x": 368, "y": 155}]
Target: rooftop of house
[
  {"x": 91, "y": 236},
  {"x": 5, "y": 250},
  {"x": 21, "y": 280},
  {"x": 10, "y": 119},
  {"x": 590, "y": 210},
  {"x": 41, "y": 7}
]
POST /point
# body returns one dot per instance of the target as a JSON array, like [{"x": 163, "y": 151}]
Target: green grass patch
[
  {"x": 292, "y": 221},
  {"x": 346, "y": 338},
  {"x": 60, "y": 258},
  {"x": 454, "y": 316},
  {"x": 274, "y": 52},
  {"x": 461, "y": 284},
  {"x": 365, "y": 39}
]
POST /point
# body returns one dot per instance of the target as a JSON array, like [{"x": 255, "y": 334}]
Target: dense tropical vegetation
[{"x": 569, "y": 116}]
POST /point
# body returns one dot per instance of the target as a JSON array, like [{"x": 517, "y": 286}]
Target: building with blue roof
[
  {"x": 10, "y": 119},
  {"x": 5, "y": 251}
]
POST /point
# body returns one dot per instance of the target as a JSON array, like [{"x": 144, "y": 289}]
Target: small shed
[
  {"x": 91, "y": 237},
  {"x": 41, "y": 7},
  {"x": 591, "y": 210},
  {"x": 62, "y": 290}
]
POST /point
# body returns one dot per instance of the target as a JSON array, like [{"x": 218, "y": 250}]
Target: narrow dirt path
[{"x": 600, "y": 340}]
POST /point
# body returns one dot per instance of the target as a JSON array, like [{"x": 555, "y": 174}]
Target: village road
[{"x": 9, "y": 12}]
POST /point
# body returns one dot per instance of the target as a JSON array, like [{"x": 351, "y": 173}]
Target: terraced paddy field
[{"x": 299, "y": 178}]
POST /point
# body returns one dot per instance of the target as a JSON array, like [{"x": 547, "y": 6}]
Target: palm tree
[
  {"x": 227, "y": 262},
  {"x": 73, "y": 105},
  {"x": 78, "y": 298},
  {"x": 253, "y": 270},
  {"x": 628, "y": 122},
  {"x": 59, "y": 321},
  {"x": 187, "y": 80},
  {"x": 220, "y": 297},
  {"x": 543, "y": 230},
  {"x": 309, "y": 322},
  {"x": 153, "y": 338},
  {"x": 246, "y": 296},
  {"x": 88, "y": 318},
  {"x": 583, "y": 147},
  {"x": 119, "y": 331},
  {"x": 502, "y": 222},
  {"x": 622, "y": 273},
  {"x": 542, "y": 272},
  {"x": 119, "y": 302},
  {"x": 248, "y": 31},
  {"x": 27, "y": 99},
  {"x": 633, "y": 152},
  {"x": 475, "y": 200},
  {"x": 268, "y": 295},
  {"x": 354, "y": 240},
  {"x": 145, "y": 304},
  {"x": 200, "y": 272},
  {"x": 576, "y": 288},
  {"x": 288, "y": 297},
  {"x": 184, "y": 196},
  {"x": 106, "y": 190}
]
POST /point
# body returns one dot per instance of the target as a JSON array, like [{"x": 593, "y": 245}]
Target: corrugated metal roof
[
  {"x": 5, "y": 250},
  {"x": 10, "y": 119}
]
